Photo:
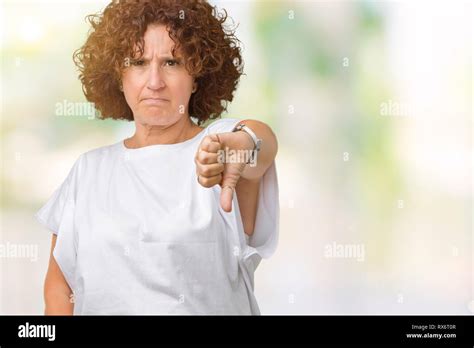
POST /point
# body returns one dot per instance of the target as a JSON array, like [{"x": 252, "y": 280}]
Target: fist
[{"x": 211, "y": 168}]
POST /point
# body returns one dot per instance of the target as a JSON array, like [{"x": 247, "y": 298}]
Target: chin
[{"x": 157, "y": 118}]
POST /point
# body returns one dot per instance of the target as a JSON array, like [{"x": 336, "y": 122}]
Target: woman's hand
[{"x": 221, "y": 159}]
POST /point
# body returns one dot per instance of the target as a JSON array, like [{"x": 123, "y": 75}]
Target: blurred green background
[{"x": 372, "y": 106}]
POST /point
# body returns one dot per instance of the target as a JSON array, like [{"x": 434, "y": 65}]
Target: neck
[{"x": 182, "y": 130}]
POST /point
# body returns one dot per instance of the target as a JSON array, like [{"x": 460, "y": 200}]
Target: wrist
[{"x": 239, "y": 140}]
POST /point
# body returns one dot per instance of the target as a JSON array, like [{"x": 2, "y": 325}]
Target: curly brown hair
[{"x": 211, "y": 51}]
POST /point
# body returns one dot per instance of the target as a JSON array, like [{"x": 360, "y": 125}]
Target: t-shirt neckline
[{"x": 154, "y": 147}]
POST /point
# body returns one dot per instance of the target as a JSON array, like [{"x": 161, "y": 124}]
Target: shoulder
[
  {"x": 99, "y": 153},
  {"x": 94, "y": 157}
]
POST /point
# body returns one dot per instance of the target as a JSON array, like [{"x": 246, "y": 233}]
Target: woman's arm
[
  {"x": 248, "y": 185},
  {"x": 247, "y": 196},
  {"x": 57, "y": 293}
]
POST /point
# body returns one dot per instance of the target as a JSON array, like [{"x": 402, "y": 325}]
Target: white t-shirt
[{"x": 137, "y": 234}]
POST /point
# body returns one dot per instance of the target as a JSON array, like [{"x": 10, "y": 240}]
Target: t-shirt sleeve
[
  {"x": 56, "y": 213},
  {"x": 265, "y": 235},
  {"x": 264, "y": 239}
]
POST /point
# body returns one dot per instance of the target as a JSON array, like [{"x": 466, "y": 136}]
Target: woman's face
[{"x": 157, "y": 87}]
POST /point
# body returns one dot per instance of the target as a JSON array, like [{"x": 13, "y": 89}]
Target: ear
[{"x": 194, "y": 87}]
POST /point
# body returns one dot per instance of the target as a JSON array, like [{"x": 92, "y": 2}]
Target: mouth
[{"x": 154, "y": 100}]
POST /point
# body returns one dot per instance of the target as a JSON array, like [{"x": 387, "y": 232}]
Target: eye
[
  {"x": 171, "y": 62},
  {"x": 138, "y": 62}
]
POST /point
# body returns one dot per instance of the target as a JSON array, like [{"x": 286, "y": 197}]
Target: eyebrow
[{"x": 164, "y": 56}]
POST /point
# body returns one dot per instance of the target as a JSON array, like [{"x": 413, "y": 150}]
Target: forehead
[{"x": 157, "y": 40}]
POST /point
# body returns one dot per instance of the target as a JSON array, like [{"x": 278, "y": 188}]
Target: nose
[{"x": 155, "y": 78}]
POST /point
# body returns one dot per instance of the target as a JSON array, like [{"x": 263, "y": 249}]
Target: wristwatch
[{"x": 256, "y": 141}]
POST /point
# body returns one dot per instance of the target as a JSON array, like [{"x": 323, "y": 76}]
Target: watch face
[{"x": 237, "y": 128}]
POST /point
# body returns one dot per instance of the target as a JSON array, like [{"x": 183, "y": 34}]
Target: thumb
[
  {"x": 227, "y": 194},
  {"x": 230, "y": 176}
]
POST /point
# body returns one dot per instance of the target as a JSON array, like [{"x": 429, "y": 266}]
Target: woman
[{"x": 176, "y": 218}]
